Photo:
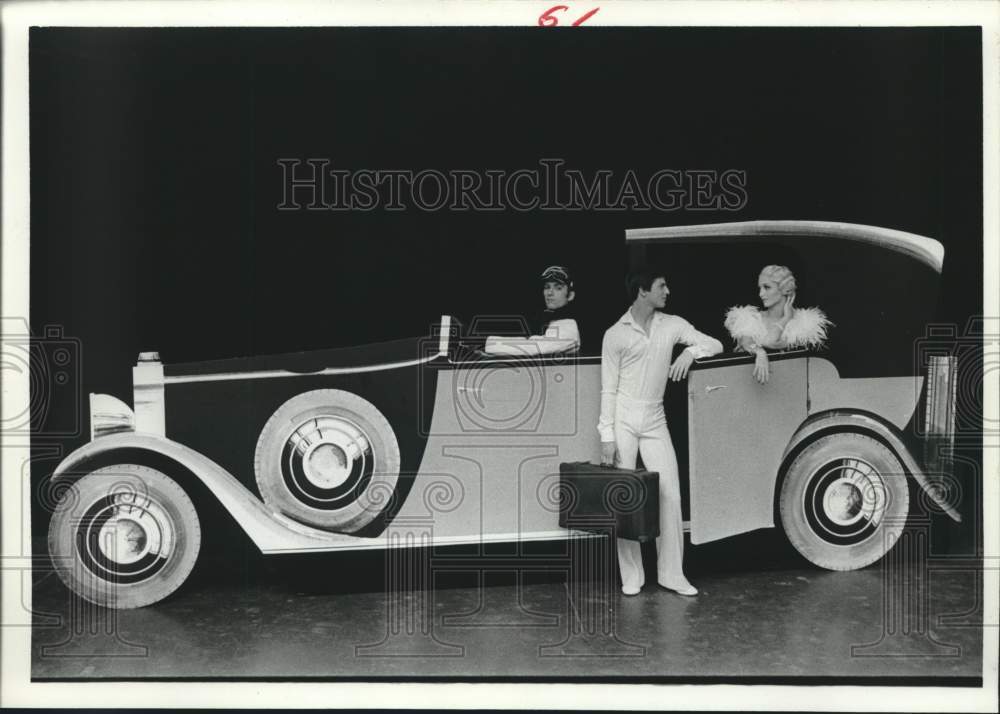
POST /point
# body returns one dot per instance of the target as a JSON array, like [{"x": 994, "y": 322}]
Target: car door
[
  {"x": 500, "y": 428},
  {"x": 737, "y": 432}
]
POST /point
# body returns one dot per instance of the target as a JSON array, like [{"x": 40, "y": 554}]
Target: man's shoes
[
  {"x": 687, "y": 589},
  {"x": 631, "y": 589}
]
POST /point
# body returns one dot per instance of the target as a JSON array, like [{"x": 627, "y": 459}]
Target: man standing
[{"x": 635, "y": 365}]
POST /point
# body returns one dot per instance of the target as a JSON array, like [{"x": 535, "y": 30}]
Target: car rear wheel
[
  {"x": 844, "y": 501},
  {"x": 124, "y": 536},
  {"x": 328, "y": 458}
]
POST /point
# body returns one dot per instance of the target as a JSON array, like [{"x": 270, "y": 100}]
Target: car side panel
[
  {"x": 498, "y": 434},
  {"x": 892, "y": 398},
  {"x": 223, "y": 419},
  {"x": 737, "y": 432}
]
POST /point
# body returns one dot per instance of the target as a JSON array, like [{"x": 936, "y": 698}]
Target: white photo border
[{"x": 16, "y": 688}]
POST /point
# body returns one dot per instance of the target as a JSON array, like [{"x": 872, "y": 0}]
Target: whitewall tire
[
  {"x": 124, "y": 536},
  {"x": 329, "y": 459},
  {"x": 844, "y": 501}
]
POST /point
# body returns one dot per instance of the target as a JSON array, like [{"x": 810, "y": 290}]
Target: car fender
[
  {"x": 271, "y": 532},
  {"x": 841, "y": 420}
]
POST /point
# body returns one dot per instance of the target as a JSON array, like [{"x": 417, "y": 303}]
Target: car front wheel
[
  {"x": 844, "y": 501},
  {"x": 124, "y": 536}
]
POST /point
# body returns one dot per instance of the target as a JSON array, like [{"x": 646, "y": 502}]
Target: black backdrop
[{"x": 155, "y": 183}]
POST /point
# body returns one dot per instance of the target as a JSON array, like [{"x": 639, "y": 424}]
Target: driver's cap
[{"x": 558, "y": 273}]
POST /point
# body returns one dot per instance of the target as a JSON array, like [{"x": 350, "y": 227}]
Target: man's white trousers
[{"x": 641, "y": 428}]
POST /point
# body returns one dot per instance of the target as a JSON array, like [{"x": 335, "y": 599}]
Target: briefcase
[{"x": 605, "y": 499}]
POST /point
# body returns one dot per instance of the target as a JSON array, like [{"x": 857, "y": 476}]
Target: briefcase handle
[{"x": 610, "y": 468}]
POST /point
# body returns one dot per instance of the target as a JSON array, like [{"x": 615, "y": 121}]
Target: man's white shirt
[{"x": 635, "y": 364}]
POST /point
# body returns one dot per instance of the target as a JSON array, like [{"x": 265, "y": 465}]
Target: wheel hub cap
[
  {"x": 844, "y": 501},
  {"x": 123, "y": 540},
  {"x": 125, "y": 537},
  {"x": 326, "y": 460},
  {"x": 326, "y": 465}
]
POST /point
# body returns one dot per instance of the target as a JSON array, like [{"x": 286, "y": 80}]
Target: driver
[{"x": 557, "y": 329}]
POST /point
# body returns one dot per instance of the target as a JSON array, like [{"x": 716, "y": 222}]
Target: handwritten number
[
  {"x": 586, "y": 17},
  {"x": 549, "y": 19}
]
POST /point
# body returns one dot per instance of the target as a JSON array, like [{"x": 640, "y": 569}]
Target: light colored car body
[{"x": 488, "y": 469}]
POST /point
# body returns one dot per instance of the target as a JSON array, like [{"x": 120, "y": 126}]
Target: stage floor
[{"x": 458, "y": 618}]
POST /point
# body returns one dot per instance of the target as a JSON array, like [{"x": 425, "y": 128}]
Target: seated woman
[
  {"x": 779, "y": 324},
  {"x": 558, "y": 332}
]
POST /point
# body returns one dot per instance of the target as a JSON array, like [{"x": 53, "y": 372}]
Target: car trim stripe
[
  {"x": 348, "y": 542},
  {"x": 277, "y": 373},
  {"x": 443, "y": 342}
]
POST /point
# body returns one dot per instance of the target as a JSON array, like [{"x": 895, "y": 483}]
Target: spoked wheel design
[
  {"x": 844, "y": 501},
  {"x": 124, "y": 536},
  {"x": 328, "y": 458}
]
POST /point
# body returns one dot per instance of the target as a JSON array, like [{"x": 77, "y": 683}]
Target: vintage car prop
[{"x": 427, "y": 442}]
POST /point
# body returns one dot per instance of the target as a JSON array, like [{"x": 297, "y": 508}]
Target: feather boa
[
  {"x": 807, "y": 327},
  {"x": 745, "y": 322}
]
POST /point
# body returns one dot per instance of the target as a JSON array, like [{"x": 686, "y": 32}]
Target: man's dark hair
[{"x": 644, "y": 279}]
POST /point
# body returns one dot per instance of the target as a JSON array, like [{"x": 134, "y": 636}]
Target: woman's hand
[
  {"x": 761, "y": 369},
  {"x": 609, "y": 453},
  {"x": 788, "y": 309}
]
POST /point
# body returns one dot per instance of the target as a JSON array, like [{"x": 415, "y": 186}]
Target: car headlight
[{"x": 109, "y": 415}]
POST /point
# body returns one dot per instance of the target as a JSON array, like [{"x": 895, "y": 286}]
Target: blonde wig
[{"x": 781, "y": 276}]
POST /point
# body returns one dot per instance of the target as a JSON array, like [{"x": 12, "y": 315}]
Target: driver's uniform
[{"x": 634, "y": 369}]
